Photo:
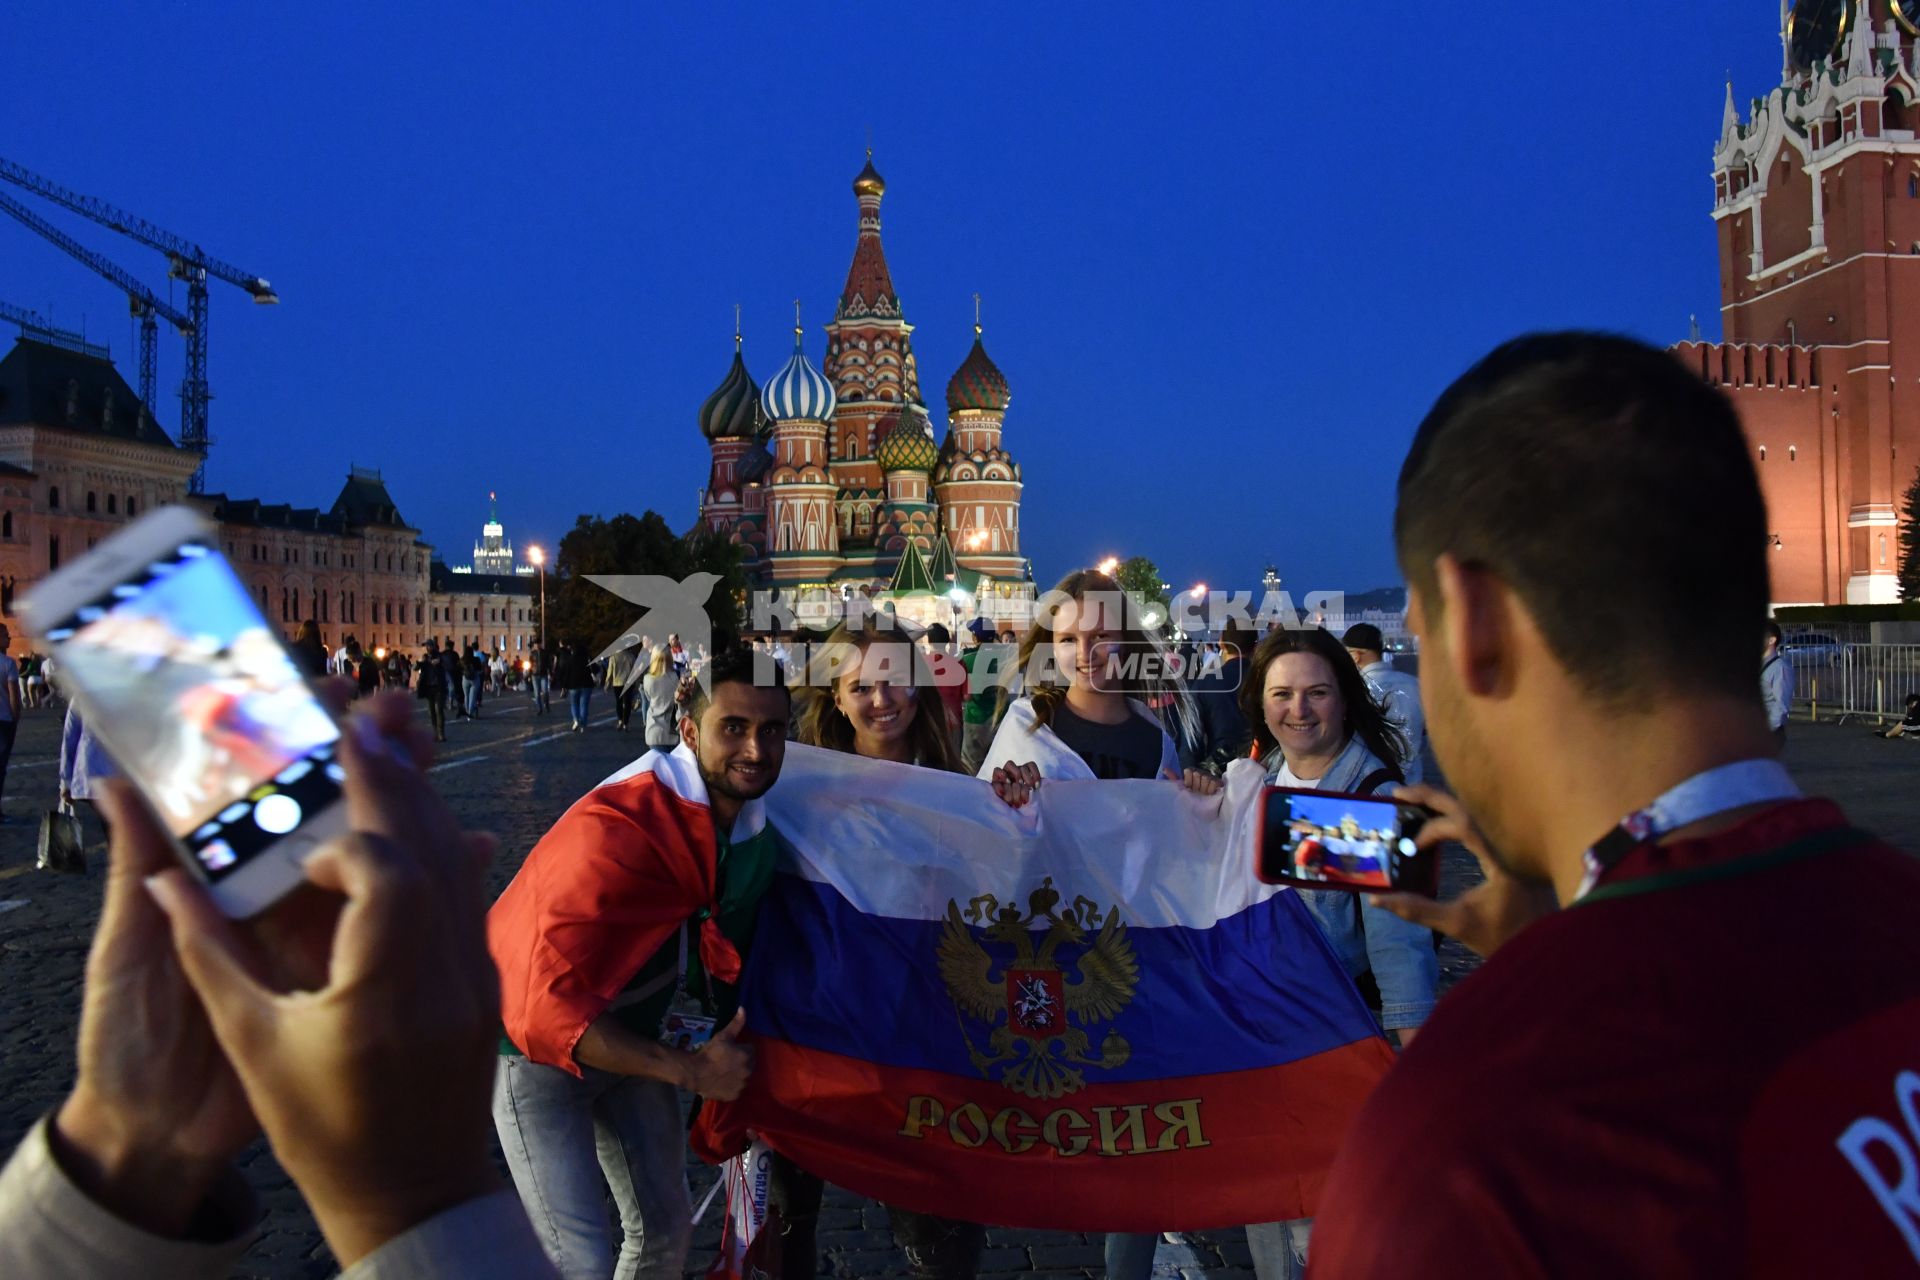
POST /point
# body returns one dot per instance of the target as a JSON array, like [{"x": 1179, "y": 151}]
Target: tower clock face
[
  {"x": 1815, "y": 29},
  {"x": 1908, "y": 12}
]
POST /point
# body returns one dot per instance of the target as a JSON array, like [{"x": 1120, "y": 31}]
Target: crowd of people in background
[{"x": 1645, "y": 1077}]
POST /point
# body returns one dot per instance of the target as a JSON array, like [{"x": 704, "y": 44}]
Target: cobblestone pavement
[{"x": 513, "y": 774}]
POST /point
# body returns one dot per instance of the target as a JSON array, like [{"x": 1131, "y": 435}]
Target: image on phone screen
[
  {"x": 196, "y": 699},
  {"x": 1336, "y": 840}
]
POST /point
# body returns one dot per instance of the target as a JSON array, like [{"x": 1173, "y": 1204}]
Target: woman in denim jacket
[{"x": 1316, "y": 726}]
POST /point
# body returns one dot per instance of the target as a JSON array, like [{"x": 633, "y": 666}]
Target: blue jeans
[
  {"x": 569, "y": 1140},
  {"x": 577, "y": 700},
  {"x": 473, "y": 699},
  {"x": 1279, "y": 1251}
]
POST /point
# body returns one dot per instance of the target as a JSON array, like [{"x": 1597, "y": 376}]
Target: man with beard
[
  {"x": 1691, "y": 1051},
  {"x": 623, "y": 934}
]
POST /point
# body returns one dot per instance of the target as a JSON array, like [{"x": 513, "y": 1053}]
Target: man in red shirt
[{"x": 1694, "y": 1049}]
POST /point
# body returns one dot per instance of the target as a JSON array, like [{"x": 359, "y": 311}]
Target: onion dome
[
  {"x": 754, "y": 464},
  {"x": 978, "y": 382},
  {"x": 732, "y": 412},
  {"x": 869, "y": 183},
  {"x": 908, "y": 446},
  {"x": 799, "y": 390}
]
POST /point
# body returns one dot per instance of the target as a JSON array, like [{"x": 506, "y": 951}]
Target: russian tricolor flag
[{"x": 1087, "y": 1015}]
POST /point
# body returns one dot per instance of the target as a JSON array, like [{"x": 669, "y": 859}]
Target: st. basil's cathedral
[{"x": 833, "y": 482}]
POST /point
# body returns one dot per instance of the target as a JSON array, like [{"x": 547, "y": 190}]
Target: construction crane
[
  {"x": 142, "y": 302},
  {"x": 34, "y": 325},
  {"x": 185, "y": 261}
]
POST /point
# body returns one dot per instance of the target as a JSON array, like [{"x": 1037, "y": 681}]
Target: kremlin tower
[
  {"x": 1817, "y": 198},
  {"x": 833, "y": 480}
]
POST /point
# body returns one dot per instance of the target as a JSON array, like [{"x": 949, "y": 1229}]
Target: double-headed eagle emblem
[{"x": 1041, "y": 1002}]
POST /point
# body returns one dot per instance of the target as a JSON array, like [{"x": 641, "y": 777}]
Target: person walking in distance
[
  {"x": 576, "y": 677},
  {"x": 660, "y": 688},
  {"x": 641, "y": 899},
  {"x": 1397, "y": 693},
  {"x": 1690, "y": 1050},
  {"x": 456, "y": 679},
  {"x": 1776, "y": 682},
  {"x": 538, "y": 663},
  {"x": 431, "y": 688}
]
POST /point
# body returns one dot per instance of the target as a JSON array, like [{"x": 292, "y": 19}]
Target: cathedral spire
[{"x": 869, "y": 290}]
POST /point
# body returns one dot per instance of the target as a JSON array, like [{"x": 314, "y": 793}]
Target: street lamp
[
  {"x": 539, "y": 559},
  {"x": 1109, "y": 566}
]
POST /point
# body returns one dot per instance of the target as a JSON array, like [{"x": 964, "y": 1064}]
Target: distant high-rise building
[{"x": 493, "y": 554}]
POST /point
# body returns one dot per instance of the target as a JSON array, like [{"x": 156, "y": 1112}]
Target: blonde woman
[
  {"x": 1079, "y": 721},
  {"x": 869, "y": 691},
  {"x": 662, "y": 713}
]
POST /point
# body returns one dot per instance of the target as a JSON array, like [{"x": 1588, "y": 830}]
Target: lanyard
[{"x": 1730, "y": 786}]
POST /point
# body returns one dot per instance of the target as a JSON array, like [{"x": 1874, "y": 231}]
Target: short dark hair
[
  {"x": 1613, "y": 491},
  {"x": 1772, "y": 633},
  {"x": 738, "y": 665}
]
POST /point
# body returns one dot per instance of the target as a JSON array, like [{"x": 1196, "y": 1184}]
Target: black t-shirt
[{"x": 1130, "y": 749}]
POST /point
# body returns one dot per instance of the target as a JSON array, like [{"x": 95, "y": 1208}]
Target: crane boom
[
  {"x": 178, "y": 247},
  {"x": 142, "y": 301},
  {"x": 185, "y": 261}
]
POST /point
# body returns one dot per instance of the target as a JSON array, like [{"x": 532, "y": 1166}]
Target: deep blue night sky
[{"x": 1229, "y": 253}]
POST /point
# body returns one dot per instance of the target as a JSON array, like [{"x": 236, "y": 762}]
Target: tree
[
  {"x": 1140, "y": 577},
  {"x": 1910, "y": 542},
  {"x": 644, "y": 544}
]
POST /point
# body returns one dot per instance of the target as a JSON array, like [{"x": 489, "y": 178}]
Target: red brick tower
[
  {"x": 870, "y": 364},
  {"x": 976, "y": 482},
  {"x": 1817, "y": 196}
]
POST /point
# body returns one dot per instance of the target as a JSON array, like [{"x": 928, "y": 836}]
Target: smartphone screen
[
  {"x": 1318, "y": 839},
  {"x": 197, "y": 700}
]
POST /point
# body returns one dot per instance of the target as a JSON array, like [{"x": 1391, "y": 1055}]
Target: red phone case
[{"x": 1427, "y": 864}]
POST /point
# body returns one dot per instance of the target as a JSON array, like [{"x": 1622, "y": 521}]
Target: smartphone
[
  {"x": 193, "y": 695},
  {"x": 1329, "y": 840}
]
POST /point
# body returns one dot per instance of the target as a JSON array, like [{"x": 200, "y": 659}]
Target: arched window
[
  {"x": 286, "y": 605},
  {"x": 53, "y": 497},
  {"x": 113, "y": 504},
  {"x": 133, "y": 508},
  {"x": 93, "y": 504},
  {"x": 6, "y": 525},
  {"x": 1763, "y": 453},
  {"x": 1793, "y": 453}
]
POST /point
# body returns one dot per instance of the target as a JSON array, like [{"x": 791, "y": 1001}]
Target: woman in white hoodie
[{"x": 1082, "y": 663}]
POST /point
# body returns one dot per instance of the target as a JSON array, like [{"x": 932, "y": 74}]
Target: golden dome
[{"x": 869, "y": 183}]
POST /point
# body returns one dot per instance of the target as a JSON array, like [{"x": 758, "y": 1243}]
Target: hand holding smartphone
[
  {"x": 1332, "y": 840},
  {"x": 175, "y": 670}
]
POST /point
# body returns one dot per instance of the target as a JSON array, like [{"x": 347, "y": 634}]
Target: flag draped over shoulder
[
  {"x": 1084, "y": 1015},
  {"x": 604, "y": 890}
]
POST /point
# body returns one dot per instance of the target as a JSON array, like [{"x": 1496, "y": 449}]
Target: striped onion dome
[
  {"x": 798, "y": 391},
  {"x": 978, "y": 383},
  {"x": 908, "y": 445},
  {"x": 732, "y": 411}
]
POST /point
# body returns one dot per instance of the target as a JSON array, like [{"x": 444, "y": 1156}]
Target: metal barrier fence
[{"x": 1855, "y": 679}]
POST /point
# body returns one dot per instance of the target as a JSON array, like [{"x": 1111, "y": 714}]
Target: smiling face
[
  {"x": 1301, "y": 703},
  {"x": 740, "y": 739},
  {"x": 876, "y": 696},
  {"x": 1085, "y": 638}
]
